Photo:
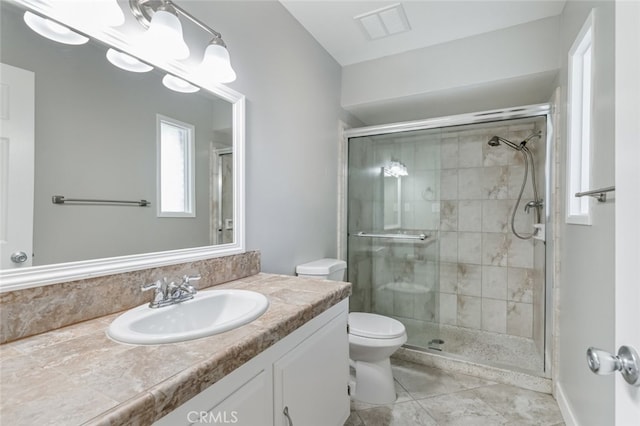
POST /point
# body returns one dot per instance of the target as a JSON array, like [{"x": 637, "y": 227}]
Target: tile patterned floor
[{"x": 432, "y": 397}]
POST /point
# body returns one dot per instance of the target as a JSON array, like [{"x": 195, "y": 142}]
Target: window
[
  {"x": 176, "y": 168},
  {"x": 579, "y": 125}
]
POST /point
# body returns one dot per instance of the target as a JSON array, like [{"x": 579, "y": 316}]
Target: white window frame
[
  {"x": 189, "y": 168},
  {"x": 579, "y": 132}
]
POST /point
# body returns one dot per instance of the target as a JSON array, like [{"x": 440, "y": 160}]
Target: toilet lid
[{"x": 374, "y": 326}]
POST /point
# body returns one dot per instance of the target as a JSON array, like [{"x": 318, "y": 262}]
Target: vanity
[
  {"x": 291, "y": 361},
  {"x": 67, "y": 279}
]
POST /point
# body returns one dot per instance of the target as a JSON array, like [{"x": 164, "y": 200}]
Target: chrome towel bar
[
  {"x": 60, "y": 199},
  {"x": 421, "y": 237},
  {"x": 598, "y": 194}
]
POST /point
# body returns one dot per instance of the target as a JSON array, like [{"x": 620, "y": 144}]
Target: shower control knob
[{"x": 626, "y": 362}]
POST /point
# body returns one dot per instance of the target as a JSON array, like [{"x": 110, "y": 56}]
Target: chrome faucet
[{"x": 169, "y": 293}]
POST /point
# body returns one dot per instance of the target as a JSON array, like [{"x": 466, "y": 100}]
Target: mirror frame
[{"x": 36, "y": 276}]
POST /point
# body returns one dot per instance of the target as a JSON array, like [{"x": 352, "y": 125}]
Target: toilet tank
[{"x": 324, "y": 269}]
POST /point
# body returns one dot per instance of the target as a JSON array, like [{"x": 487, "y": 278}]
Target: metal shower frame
[{"x": 527, "y": 111}]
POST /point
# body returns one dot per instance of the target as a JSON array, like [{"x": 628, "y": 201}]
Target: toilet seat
[{"x": 374, "y": 326}]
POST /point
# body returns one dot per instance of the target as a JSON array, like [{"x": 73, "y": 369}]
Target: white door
[
  {"x": 627, "y": 160},
  {"x": 16, "y": 166}
]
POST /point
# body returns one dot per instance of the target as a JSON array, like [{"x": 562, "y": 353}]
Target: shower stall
[{"x": 446, "y": 224}]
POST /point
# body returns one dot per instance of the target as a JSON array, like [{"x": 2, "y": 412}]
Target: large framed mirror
[{"x": 157, "y": 175}]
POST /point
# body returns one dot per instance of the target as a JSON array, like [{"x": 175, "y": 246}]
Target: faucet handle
[
  {"x": 186, "y": 286},
  {"x": 156, "y": 285},
  {"x": 186, "y": 279}
]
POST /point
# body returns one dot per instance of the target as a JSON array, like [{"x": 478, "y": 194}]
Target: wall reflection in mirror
[
  {"x": 392, "y": 173},
  {"x": 97, "y": 135},
  {"x": 392, "y": 201}
]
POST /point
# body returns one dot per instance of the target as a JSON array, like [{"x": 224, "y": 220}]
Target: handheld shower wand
[{"x": 528, "y": 158}]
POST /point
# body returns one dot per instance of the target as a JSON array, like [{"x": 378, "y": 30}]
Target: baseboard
[{"x": 565, "y": 409}]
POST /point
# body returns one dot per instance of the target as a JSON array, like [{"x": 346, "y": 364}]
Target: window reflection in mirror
[{"x": 176, "y": 168}]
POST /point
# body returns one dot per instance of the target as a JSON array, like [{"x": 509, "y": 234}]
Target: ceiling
[
  {"x": 431, "y": 23},
  {"x": 332, "y": 23}
]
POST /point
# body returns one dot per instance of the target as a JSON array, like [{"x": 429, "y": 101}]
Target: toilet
[{"x": 372, "y": 340}]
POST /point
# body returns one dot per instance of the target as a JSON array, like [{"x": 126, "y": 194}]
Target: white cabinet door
[
  {"x": 249, "y": 403},
  {"x": 310, "y": 382},
  {"x": 247, "y": 406}
]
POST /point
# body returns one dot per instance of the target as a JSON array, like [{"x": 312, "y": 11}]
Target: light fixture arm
[{"x": 143, "y": 10}]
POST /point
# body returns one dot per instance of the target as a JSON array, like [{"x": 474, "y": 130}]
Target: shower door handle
[
  {"x": 626, "y": 362},
  {"x": 287, "y": 416},
  {"x": 421, "y": 237}
]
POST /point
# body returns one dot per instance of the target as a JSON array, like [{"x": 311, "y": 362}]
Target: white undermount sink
[{"x": 208, "y": 313}]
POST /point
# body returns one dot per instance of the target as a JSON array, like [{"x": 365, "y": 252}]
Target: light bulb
[
  {"x": 178, "y": 85},
  {"x": 164, "y": 37},
  {"x": 52, "y": 30},
  {"x": 127, "y": 62},
  {"x": 95, "y": 13},
  {"x": 216, "y": 64}
]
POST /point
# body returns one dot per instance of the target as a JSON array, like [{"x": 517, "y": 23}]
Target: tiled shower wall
[
  {"x": 473, "y": 272},
  {"x": 489, "y": 279}
]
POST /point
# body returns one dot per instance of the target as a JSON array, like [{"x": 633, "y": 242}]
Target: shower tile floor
[
  {"x": 476, "y": 345},
  {"x": 430, "y": 396}
]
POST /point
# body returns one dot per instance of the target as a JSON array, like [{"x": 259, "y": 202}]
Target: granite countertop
[{"x": 77, "y": 375}]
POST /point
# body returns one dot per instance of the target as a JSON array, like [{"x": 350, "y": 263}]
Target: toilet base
[{"x": 374, "y": 382}]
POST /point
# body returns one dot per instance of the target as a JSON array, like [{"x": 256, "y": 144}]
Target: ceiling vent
[{"x": 383, "y": 22}]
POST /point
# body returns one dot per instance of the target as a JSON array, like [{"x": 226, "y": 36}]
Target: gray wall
[
  {"x": 586, "y": 311},
  {"x": 292, "y": 87},
  {"x": 508, "y": 67},
  {"x": 96, "y": 138}
]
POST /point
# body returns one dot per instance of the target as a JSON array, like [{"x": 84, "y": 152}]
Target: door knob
[
  {"x": 19, "y": 257},
  {"x": 626, "y": 362}
]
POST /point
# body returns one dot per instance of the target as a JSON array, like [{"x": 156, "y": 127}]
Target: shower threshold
[{"x": 478, "y": 346}]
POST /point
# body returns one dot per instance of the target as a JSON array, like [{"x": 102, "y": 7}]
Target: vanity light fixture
[
  {"x": 96, "y": 13},
  {"x": 178, "y": 85},
  {"x": 52, "y": 30},
  {"x": 216, "y": 63},
  {"x": 165, "y": 32},
  {"x": 163, "y": 37},
  {"x": 396, "y": 169},
  {"x": 127, "y": 62},
  {"x": 106, "y": 13}
]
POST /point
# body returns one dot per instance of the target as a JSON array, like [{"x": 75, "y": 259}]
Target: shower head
[
  {"x": 494, "y": 141},
  {"x": 497, "y": 141}
]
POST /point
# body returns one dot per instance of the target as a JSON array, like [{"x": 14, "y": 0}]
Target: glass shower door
[
  {"x": 393, "y": 220},
  {"x": 471, "y": 287}
]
